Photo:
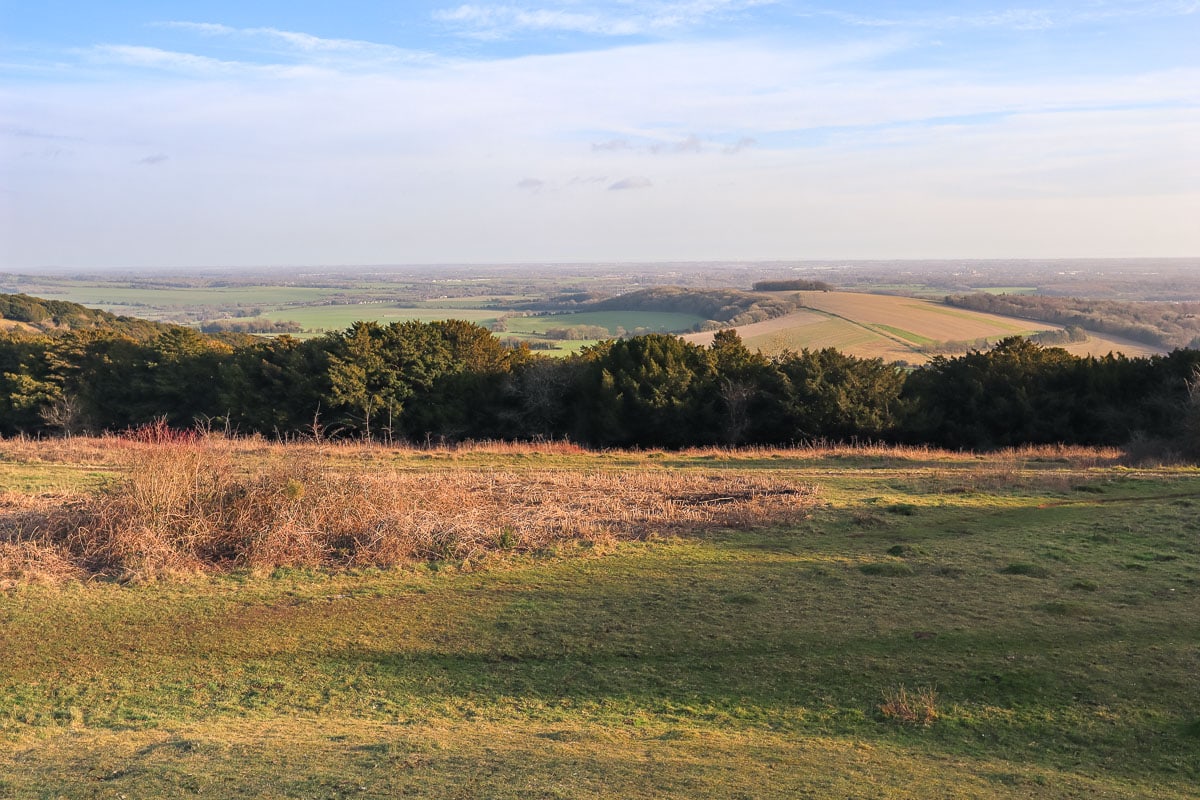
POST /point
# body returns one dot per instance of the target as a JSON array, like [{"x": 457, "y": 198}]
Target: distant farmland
[
  {"x": 615, "y": 322},
  {"x": 338, "y": 317},
  {"x": 898, "y": 328}
]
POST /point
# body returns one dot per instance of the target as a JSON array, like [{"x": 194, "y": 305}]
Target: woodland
[{"x": 79, "y": 371}]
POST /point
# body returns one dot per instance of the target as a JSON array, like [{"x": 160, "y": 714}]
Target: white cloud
[
  {"x": 297, "y": 44},
  {"x": 207, "y": 28},
  {"x": 156, "y": 58},
  {"x": 625, "y": 19}
]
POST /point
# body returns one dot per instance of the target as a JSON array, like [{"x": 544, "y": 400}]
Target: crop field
[
  {"x": 1101, "y": 344},
  {"x": 897, "y": 328},
  {"x": 812, "y": 622}
]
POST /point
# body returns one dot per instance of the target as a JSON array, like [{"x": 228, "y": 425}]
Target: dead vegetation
[
  {"x": 188, "y": 507},
  {"x": 117, "y": 450},
  {"x": 915, "y": 707}
]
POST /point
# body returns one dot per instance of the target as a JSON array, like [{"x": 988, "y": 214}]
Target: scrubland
[{"x": 245, "y": 619}]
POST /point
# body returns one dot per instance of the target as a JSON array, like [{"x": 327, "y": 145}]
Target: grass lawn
[{"x": 1050, "y": 605}]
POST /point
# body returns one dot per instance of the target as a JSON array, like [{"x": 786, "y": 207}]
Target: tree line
[
  {"x": 454, "y": 380},
  {"x": 1160, "y": 324}
]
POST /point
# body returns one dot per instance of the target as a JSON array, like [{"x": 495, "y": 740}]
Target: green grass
[
  {"x": 909, "y": 336},
  {"x": 338, "y": 317},
  {"x": 111, "y": 295},
  {"x": 732, "y": 664},
  {"x": 652, "y": 321}
]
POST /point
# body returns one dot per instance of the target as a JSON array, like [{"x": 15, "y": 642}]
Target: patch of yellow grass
[{"x": 188, "y": 507}]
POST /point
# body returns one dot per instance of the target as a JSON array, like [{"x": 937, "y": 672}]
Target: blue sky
[{"x": 141, "y": 134}]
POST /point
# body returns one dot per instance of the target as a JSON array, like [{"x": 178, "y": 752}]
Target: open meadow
[{"x": 245, "y": 619}]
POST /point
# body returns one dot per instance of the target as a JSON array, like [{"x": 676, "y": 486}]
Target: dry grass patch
[
  {"x": 918, "y": 707},
  {"x": 188, "y": 507}
]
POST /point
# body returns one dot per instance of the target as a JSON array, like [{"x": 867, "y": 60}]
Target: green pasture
[
  {"x": 112, "y": 295},
  {"x": 908, "y": 336},
  {"x": 651, "y": 321},
  {"x": 1052, "y": 610},
  {"x": 338, "y": 317},
  {"x": 482, "y": 301}
]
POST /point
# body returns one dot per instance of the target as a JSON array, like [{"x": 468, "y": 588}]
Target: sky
[{"x": 185, "y": 134}]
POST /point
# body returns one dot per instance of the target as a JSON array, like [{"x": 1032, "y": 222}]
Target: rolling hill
[{"x": 899, "y": 328}]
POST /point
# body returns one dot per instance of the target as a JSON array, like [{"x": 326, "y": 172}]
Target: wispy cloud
[
  {"x": 741, "y": 144},
  {"x": 1020, "y": 18},
  {"x": 208, "y": 28},
  {"x": 611, "y": 146},
  {"x": 688, "y": 144},
  {"x": 156, "y": 58},
  {"x": 299, "y": 44},
  {"x": 632, "y": 182},
  {"x": 300, "y": 41},
  {"x": 621, "y": 19},
  {"x": 745, "y": 144}
]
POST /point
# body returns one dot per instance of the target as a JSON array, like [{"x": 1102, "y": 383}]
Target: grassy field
[
  {"x": 1040, "y": 610},
  {"x": 897, "y": 328},
  {"x": 647, "y": 321},
  {"x": 339, "y": 317},
  {"x": 108, "y": 294}
]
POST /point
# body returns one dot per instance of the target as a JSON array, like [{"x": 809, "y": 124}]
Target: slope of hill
[
  {"x": 1160, "y": 324},
  {"x": 899, "y": 328},
  {"x": 24, "y": 314},
  {"x": 719, "y": 307}
]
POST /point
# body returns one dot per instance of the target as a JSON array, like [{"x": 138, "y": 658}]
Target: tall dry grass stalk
[
  {"x": 187, "y": 507},
  {"x": 116, "y": 450}
]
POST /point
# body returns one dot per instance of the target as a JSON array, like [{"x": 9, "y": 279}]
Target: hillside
[
  {"x": 1037, "y": 609},
  {"x": 23, "y": 314},
  {"x": 897, "y": 328},
  {"x": 717, "y": 307},
  {"x": 1158, "y": 324}
]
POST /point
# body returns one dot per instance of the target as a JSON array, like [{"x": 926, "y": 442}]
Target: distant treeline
[
  {"x": 251, "y": 325},
  {"x": 453, "y": 379},
  {"x": 795, "y": 285},
  {"x": 954, "y": 347},
  {"x": 720, "y": 308},
  {"x": 1166, "y": 325}
]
